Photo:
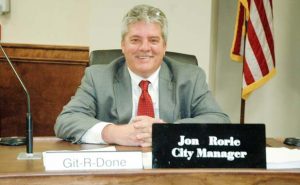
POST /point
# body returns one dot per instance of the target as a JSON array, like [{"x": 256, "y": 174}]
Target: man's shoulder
[{"x": 182, "y": 69}]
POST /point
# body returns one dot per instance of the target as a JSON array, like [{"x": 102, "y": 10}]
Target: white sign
[{"x": 92, "y": 160}]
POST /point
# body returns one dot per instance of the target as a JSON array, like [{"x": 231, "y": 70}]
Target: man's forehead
[
  {"x": 144, "y": 25},
  {"x": 148, "y": 36},
  {"x": 144, "y": 30}
]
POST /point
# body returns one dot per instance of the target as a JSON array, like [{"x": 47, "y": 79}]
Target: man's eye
[
  {"x": 134, "y": 40},
  {"x": 154, "y": 41}
]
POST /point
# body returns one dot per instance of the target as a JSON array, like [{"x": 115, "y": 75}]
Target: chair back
[{"x": 106, "y": 56}]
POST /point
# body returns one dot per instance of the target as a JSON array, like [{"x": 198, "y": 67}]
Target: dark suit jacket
[{"x": 105, "y": 95}]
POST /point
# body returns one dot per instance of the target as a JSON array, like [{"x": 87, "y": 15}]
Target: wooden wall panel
[{"x": 51, "y": 75}]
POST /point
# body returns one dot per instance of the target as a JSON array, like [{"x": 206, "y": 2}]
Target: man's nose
[{"x": 145, "y": 46}]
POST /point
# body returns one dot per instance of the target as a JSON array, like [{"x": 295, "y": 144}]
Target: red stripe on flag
[
  {"x": 257, "y": 50},
  {"x": 247, "y": 73},
  {"x": 249, "y": 4},
  {"x": 237, "y": 44},
  {"x": 264, "y": 20}
]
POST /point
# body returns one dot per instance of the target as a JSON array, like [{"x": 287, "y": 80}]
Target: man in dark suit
[{"x": 112, "y": 106}]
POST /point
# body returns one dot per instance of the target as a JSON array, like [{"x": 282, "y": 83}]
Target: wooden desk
[{"x": 13, "y": 171}]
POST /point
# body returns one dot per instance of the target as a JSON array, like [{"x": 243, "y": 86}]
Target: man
[{"x": 118, "y": 103}]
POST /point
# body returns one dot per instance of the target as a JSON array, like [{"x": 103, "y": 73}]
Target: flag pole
[{"x": 242, "y": 117}]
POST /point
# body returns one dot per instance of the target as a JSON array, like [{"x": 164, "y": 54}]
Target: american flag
[{"x": 254, "y": 27}]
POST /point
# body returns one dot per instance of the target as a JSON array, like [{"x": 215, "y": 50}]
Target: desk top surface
[{"x": 10, "y": 166}]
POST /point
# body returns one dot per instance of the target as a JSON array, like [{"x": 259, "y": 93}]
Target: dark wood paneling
[{"x": 51, "y": 75}]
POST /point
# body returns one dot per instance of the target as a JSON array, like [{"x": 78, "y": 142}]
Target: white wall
[
  {"x": 58, "y": 22},
  {"x": 278, "y": 102}
]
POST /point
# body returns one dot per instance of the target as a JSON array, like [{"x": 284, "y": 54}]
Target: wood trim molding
[{"x": 46, "y": 53}]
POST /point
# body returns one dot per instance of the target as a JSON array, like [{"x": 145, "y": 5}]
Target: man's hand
[
  {"x": 143, "y": 128},
  {"x": 136, "y": 133}
]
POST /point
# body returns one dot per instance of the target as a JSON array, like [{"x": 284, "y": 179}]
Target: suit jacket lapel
[
  {"x": 123, "y": 94},
  {"x": 166, "y": 94}
]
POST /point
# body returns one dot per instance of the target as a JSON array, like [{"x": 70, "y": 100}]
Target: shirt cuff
[{"x": 94, "y": 134}]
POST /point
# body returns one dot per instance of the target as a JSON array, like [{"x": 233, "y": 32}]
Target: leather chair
[{"x": 106, "y": 56}]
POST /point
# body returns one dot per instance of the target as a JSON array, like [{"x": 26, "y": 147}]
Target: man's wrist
[{"x": 108, "y": 133}]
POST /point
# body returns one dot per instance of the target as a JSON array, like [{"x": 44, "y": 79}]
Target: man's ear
[
  {"x": 122, "y": 46},
  {"x": 165, "y": 47}
]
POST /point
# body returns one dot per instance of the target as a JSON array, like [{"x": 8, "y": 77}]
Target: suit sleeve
[
  {"x": 79, "y": 114},
  {"x": 203, "y": 106}
]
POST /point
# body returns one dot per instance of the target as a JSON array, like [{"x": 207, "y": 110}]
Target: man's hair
[{"x": 148, "y": 14}]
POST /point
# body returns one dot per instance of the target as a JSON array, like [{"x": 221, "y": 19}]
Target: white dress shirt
[{"x": 94, "y": 134}]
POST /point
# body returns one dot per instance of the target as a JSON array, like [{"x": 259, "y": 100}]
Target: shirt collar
[{"x": 136, "y": 79}]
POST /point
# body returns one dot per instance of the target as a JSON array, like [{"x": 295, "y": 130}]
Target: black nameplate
[{"x": 208, "y": 146}]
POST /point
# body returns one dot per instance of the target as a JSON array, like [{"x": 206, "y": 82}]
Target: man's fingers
[
  {"x": 140, "y": 118},
  {"x": 146, "y": 144},
  {"x": 145, "y": 121},
  {"x": 143, "y": 136},
  {"x": 146, "y": 140}
]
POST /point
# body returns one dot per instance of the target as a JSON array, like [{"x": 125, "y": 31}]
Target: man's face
[{"x": 144, "y": 48}]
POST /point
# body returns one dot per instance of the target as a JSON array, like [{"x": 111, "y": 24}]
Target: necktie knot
[{"x": 144, "y": 85}]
